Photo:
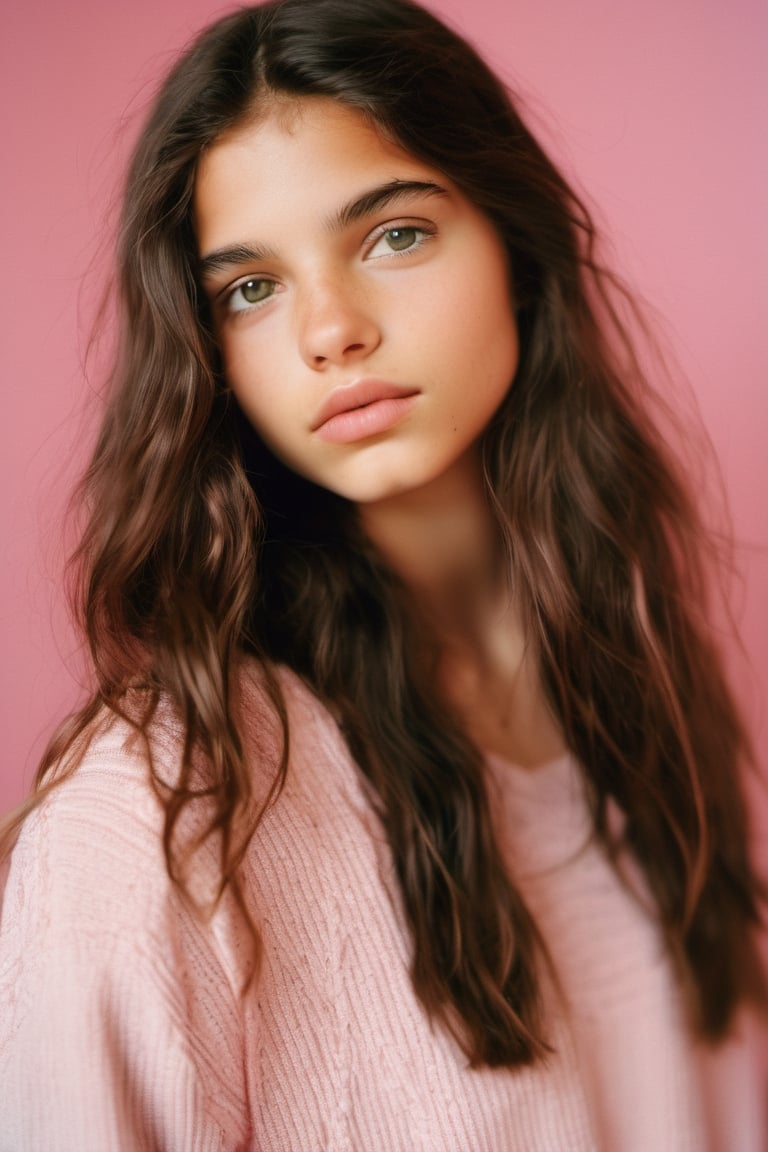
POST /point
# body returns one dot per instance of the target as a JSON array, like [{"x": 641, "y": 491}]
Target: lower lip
[{"x": 360, "y": 423}]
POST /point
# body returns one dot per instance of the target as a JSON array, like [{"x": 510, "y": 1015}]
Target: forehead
[{"x": 301, "y": 159}]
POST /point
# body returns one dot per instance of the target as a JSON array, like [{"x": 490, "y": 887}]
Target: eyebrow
[{"x": 383, "y": 196}]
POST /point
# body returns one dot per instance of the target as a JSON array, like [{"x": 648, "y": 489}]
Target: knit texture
[{"x": 121, "y": 1026}]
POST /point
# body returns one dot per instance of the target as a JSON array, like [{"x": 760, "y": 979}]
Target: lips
[
  {"x": 358, "y": 395},
  {"x": 364, "y": 408}
]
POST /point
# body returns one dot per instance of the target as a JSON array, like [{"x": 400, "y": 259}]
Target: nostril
[
  {"x": 335, "y": 335},
  {"x": 319, "y": 359}
]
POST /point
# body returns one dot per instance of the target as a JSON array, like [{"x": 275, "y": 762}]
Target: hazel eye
[
  {"x": 249, "y": 293},
  {"x": 398, "y": 240}
]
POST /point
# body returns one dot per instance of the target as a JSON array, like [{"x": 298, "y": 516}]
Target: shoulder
[
  {"x": 322, "y": 779},
  {"x": 92, "y": 848},
  {"x": 91, "y": 854},
  {"x": 90, "y": 863},
  {"x": 261, "y": 695},
  {"x": 116, "y": 995}
]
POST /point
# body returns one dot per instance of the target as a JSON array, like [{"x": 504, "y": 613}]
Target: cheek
[
  {"x": 245, "y": 374},
  {"x": 497, "y": 323},
  {"x": 249, "y": 392},
  {"x": 484, "y": 342},
  {"x": 257, "y": 367},
  {"x": 475, "y": 309}
]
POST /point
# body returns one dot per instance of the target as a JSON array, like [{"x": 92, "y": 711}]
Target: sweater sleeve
[{"x": 119, "y": 1025}]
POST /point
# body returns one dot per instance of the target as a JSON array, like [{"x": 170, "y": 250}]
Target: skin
[
  {"x": 340, "y": 305},
  {"x": 315, "y": 285}
]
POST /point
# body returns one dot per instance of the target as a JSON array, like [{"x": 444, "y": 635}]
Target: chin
[{"x": 370, "y": 491}]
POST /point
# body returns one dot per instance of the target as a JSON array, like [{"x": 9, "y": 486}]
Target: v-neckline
[{"x": 541, "y": 815}]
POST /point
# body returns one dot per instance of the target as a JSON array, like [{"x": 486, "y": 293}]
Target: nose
[{"x": 336, "y": 326}]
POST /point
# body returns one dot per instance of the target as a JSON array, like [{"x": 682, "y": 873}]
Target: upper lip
[{"x": 347, "y": 397}]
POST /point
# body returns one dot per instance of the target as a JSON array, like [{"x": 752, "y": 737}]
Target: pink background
[{"x": 652, "y": 108}]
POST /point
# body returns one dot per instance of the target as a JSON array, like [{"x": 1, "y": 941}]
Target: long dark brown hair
[{"x": 201, "y": 548}]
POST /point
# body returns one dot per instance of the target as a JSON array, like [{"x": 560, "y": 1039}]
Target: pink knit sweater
[{"x": 121, "y": 1029}]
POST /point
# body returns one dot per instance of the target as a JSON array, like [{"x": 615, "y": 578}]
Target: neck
[
  {"x": 445, "y": 545},
  {"x": 443, "y": 542}
]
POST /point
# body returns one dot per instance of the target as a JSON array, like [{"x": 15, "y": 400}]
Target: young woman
[{"x": 406, "y": 811}]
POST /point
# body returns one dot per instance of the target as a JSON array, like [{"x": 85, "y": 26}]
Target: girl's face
[{"x": 362, "y": 304}]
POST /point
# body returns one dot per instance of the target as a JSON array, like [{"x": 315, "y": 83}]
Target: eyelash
[
  {"x": 423, "y": 234},
  {"x": 248, "y": 305}
]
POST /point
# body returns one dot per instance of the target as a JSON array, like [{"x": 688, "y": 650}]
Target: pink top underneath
[{"x": 120, "y": 1027}]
